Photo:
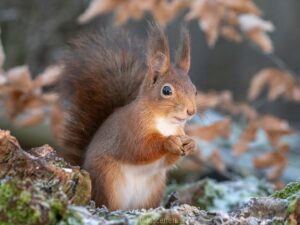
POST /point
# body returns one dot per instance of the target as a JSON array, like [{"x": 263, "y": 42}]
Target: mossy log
[
  {"x": 41, "y": 165},
  {"x": 36, "y": 186}
]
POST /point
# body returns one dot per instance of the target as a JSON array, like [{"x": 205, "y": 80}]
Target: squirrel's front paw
[
  {"x": 173, "y": 145},
  {"x": 188, "y": 145}
]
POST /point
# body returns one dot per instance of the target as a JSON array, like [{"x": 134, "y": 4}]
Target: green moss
[
  {"x": 215, "y": 196},
  {"x": 291, "y": 206},
  {"x": 211, "y": 192},
  {"x": 24, "y": 202},
  {"x": 292, "y": 194},
  {"x": 6, "y": 193},
  {"x": 278, "y": 223},
  {"x": 160, "y": 218},
  {"x": 113, "y": 217},
  {"x": 16, "y": 207},
  {"x": 57, "y": 207},
  {"x": 83, "y": 188},
  {"x": 221, "y": 196},
  {"x": 60, "y": 163},
  {"x": 290, "y": 190},
  {"x": 147, "y": 219},
  {"x": 70, "y": 218}
]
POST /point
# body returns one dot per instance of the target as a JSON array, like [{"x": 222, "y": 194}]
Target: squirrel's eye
[{"x": 167, "y": 90}]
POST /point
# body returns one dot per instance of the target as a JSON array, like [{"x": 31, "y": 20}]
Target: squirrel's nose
[{"x": 190, "y": 112}]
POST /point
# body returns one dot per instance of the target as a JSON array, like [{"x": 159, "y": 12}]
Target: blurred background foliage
[{"x": 34, "y": 32}]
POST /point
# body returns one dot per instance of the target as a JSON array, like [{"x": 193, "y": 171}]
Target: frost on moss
[
  {"x": 289, "y": 191},
  {"x": 42, "y": 163},
  {"x": 154, "y": 218},
  {"x": 215, "y": 196},
  {"x": 24, "y": 202},
  {"x": 50, "y": 185},
  {"x": 293, "y": 210}
]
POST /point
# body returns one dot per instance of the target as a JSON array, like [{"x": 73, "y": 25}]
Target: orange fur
[{"x": 119, "y": 125}]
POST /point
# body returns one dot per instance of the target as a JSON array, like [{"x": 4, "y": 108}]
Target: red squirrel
[{"x": 125, "y": 108}]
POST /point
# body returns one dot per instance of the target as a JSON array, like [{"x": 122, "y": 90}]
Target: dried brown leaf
[
  {"x": 11, "y": 104},
  {"x": 279, "y": 82},
  {"x": 196, "y": 9},
  {"x": 225, "y": 16},
  {"x": 165, "y": 11},
  {"x": 278, "y": 169},
  {"x": 210, "y": 21},
  {"x": 211, "y": 132},
  {"x": 255, "y": 29},
  {"x": 272, "y": 123},
  {"x": 294, "y": 93},
  {"x": 131, "y": 9},
  {"x": 98, "y": 7},
  {"x": 51, "y": 98},
  {"x": 261, "y": 39},
  {"x": 21, "y": 94},
  {"x": 213, "y": 99},
  {"x": 216, "y": 159},
  {"x": 19, "y": 78},
  {"x": 17, "y": 102},
  {"x": 136, "y": 10},
  {"x": 231, "y": 17},
  {"x": 246, "y": 137},
  {"x": 214, "y": 16},
  {"x": 245, "y": 109},
  {"x": 32, "y": 118},
  {"x": 250, "y": 22},
  {"x": 275, "y": 128},
  {"x": 258, "y": 82},
  {"x": 231, "y": 34},
  {"x": 121, "y": 14},
  {"x": 223, "y": 101},
  {"x": 276, "y": 160},
  {"x": 209, "y": 15},
  {"x": 48, "y": 77},
  {"x": 264, "y": 160},
  {"x": 242, "y": 6}
]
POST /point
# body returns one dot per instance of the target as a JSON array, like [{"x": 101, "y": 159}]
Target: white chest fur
[
  {"x": 138, "y": 184},
  {"x": 166, "y": 127}
]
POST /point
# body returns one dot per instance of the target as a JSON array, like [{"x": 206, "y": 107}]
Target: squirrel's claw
[
  {"x": 180, "y": 145},
  {"x": 188, "y": 145}
]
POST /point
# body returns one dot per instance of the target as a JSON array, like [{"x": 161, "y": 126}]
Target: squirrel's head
[{"x": 167, "y": 86}]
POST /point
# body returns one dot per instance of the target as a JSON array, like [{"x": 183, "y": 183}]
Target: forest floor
[{"x": 37, "y": 187}]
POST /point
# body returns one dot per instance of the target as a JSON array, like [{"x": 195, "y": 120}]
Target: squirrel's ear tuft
[
  {"x": 183, "y": 57},
  {"x": 158, "y": 56},
  {"x": 159, "y": 63}
]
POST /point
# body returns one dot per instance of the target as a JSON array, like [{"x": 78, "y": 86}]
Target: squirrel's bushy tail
[{"x": 102, "y": 71}]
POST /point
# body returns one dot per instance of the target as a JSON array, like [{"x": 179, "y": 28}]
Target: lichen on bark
[
  {"x": 36, "y": 186},
  {"x": 25, "y": 202},
  {"x": 42, "y": 165}
]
